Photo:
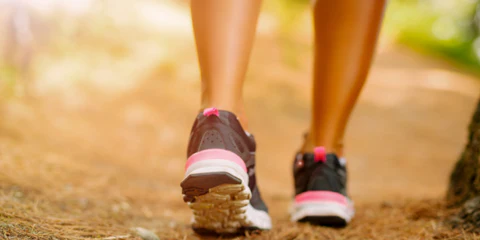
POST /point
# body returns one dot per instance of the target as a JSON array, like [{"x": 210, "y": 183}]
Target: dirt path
[{"x": 89, "y": 163}]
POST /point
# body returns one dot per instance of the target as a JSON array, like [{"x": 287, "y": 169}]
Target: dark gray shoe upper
[{"x": 311, "y": 175}]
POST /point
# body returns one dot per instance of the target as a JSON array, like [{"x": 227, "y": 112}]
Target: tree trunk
[{"x": 464, "y": 186}]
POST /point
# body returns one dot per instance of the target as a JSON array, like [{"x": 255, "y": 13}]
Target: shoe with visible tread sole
[
  {"x": 320, "y": 190},
  {"x": 220, "y": 183}
]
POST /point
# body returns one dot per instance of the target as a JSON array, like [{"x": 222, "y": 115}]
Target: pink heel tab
[
  {"x": 320, "y": 154},
  {"x": 210, "y": 111}
]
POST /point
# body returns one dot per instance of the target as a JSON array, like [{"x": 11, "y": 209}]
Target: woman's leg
[
  {"x": 220, "y": 168},
  {"x": 345, "y": 35},
  {"x": 224, "y": 32}
]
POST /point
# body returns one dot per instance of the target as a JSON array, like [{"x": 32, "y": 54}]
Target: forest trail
[{"x": 88, "y": 163}]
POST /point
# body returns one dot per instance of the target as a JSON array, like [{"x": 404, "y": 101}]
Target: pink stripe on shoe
[
  {"x": 215, "y": 153},
  {"x": 321, "y": 196}
]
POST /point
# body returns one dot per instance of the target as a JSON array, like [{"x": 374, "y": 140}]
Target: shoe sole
[
  {"x": 327, "y": 221},
  {"x": 217, "y": 192},
  {"x": 323, "y": 212}
]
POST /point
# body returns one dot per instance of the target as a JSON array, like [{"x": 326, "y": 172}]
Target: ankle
[
  {"x": 307, "y": 146},
  {"x": 310, "y": 144}
]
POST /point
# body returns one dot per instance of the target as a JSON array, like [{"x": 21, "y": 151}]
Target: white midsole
[
  {"x": 258, "y": 218},
  {"x": 322, "y": 208},
  {"x": 254, "y": 217}
]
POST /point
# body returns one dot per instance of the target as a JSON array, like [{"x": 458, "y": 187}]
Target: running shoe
[
  {"x": 220, "y": 183},
  {"x": 320, "y": 189}
]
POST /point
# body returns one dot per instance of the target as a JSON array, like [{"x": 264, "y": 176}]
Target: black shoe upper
[{"x": 311, "y": 175}]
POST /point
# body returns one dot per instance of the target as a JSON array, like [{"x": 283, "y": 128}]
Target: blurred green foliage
[{"x": 443, "y": 27}]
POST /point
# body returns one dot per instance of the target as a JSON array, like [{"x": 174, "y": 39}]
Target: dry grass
[{"x": 26, "y": 214}]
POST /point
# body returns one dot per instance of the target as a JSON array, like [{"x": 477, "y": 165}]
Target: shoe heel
[
  {"x": 324, "y": 208},
  {"x": 216, "y": 189},
  {"x": 209, "y": 169},
  {"x": 216, "y": 161}
]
